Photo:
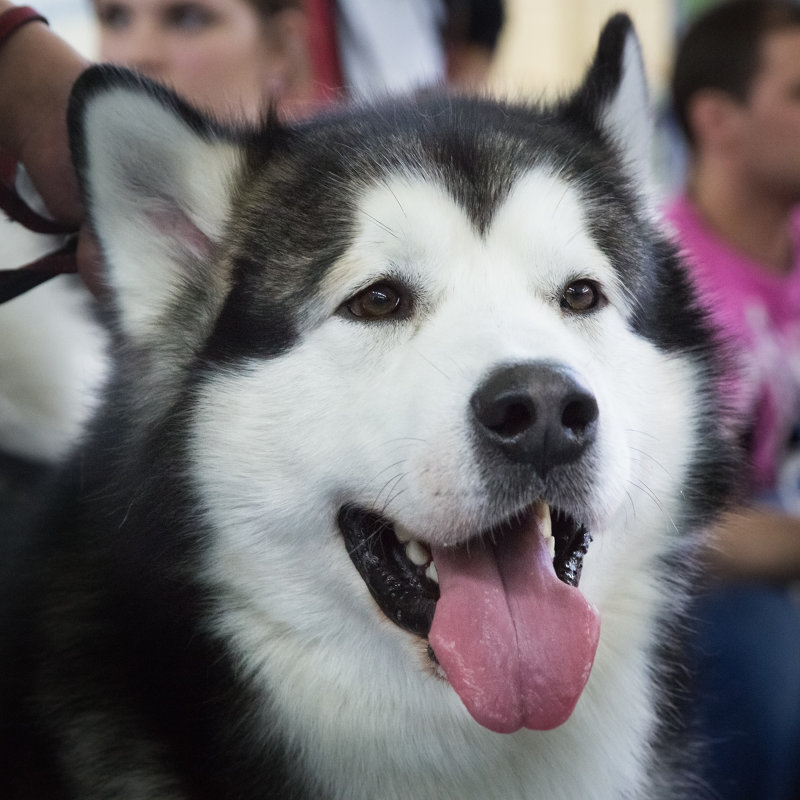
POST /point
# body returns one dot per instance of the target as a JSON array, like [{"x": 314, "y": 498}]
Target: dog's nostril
[
  {"x": 579, "y": 413},
  {"x": 511, "y": 418}
]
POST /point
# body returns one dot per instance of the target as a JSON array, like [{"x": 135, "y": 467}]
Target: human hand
[{"x": 37, "y": 71}]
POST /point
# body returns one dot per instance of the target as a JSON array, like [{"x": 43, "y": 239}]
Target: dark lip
[{"x": 401, "y": 589}]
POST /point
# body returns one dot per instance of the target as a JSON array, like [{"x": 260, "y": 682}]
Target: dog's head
[{"x": 422, "y": 354}]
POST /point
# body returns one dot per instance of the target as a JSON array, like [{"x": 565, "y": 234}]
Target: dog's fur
[{"x": 189, "y": 623}]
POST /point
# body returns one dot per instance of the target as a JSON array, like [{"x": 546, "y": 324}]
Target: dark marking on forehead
[
  {"x": 295, "y": 212},
  {"x": 466, "y": 146},
  {"x": 476, "y": 169}
]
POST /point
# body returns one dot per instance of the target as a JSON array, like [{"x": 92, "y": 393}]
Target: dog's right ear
[
  {"x": 157, "y": 182},
  {"x": 614, "y": 98}
]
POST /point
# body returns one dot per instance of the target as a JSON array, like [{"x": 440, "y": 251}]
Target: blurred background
[{"x": 543, "y": 49}]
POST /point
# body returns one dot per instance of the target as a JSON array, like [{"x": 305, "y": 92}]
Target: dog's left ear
[
  {"x": 157, "y": 180},
  {"x": 615, "y": 96}
]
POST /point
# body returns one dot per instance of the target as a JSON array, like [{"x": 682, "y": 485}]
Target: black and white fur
[{"x": 189, "y": 624}]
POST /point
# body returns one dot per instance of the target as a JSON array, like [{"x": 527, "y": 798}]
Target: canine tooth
[
  {"x": 417, "y": 553},
  {"x": 431, "y": 573},
  {"x": 542, "y": 511}
]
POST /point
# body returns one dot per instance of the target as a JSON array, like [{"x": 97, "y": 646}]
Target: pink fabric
[{"x": 759, "y": 313}]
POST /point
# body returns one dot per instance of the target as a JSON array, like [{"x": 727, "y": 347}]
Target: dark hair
[
  {"x": 722, "y": 48},
  {"x": 268, "y": 8}
]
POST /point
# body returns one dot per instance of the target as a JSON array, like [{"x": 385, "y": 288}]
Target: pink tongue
[{"x": 515, "y": 642}]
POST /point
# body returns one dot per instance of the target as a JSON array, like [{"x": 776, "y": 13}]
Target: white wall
[
  {"x": 73, "y": 21},
  {"x": 547, "y": 44}
]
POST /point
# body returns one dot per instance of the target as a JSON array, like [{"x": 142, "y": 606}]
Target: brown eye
[
  {"x": 376, "y": 302},
  {"x": 581, "y": 296}
]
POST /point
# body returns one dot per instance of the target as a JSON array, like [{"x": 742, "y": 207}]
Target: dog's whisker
[
  {"x": 643, "y": 454},
  {"x": 388, "y": 467},
  {"x": 388, "y": 488},
  {"x": 395, "y": 494},
  {"x": 432, "y": 364},
  {"x": 647, "y": 434},
  {"x": 631, "y": 503},
  {"x": 397, "y": 200},
  {"x": 381, "y": 225},
  {"x": 641, "y": 486}
]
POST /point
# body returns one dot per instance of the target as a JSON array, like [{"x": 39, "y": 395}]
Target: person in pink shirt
[
  {"x": 736, "y": 94},
  {"x": 758, "y": 308}
]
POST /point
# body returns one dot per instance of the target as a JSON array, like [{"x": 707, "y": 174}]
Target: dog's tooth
[
  {"x": 542, "y": 511},
  {"x": 417, "y": 553},
  {"x": 431, "y": 574}
]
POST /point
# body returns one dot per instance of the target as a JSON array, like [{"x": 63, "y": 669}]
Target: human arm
[
  {"x": 37, "y": 71},
  {"x": 755, "y": 542}
]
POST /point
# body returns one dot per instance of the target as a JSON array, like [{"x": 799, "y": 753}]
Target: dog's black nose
[{"x": 536, "y": 413}]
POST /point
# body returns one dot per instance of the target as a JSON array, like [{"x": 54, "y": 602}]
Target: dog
[{"x": 396, "y": 485}]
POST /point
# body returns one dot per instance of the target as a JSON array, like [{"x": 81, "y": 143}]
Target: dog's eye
[
  {"x": 581, "y": 296},
  {"x": 379, "y": 301}
]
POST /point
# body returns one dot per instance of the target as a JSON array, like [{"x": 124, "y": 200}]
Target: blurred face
[
  {"x": 768, "y": 128},
  {"x": 220, "y": 55}
]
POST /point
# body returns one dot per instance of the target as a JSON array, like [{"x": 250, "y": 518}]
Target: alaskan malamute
[{"x": 393, "y": 492}]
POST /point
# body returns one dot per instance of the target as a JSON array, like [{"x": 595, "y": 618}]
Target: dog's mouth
[
  {"x": 401, "y": 575},
  {"x": 502, "y": 612}
]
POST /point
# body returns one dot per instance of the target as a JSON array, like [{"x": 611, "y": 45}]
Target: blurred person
[
  {"x": 373, "y": 48},
  {"x": 736, "y": 92},
  {"x": 471, "y": 38},
  {"x": 231, "y": 58},
  {"x": 228, "y": 57}
]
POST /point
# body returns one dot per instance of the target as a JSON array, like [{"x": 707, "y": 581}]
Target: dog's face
[
  {"x": 454, "y": 386},
  {"x": 423, "y": 359}
]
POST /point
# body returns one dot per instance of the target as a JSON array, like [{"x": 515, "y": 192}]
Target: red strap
[
  {"x": 323, "y": 49},
  {"x": 16, "y": 208},
  {"x": 15, "y": 18},
  {"x": 14, "y": 282}
]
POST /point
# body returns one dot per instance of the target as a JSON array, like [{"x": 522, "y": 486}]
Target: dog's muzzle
[{"x": 500, "y": 606}]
